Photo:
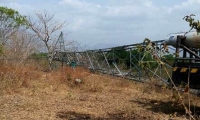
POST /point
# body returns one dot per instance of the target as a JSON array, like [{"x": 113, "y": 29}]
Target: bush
[{"x": 38, "y": 56}]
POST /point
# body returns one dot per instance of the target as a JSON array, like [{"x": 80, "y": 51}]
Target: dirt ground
[{"x": 96, "y": 97}]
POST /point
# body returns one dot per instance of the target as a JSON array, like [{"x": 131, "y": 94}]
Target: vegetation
[
  {"x": 1, "y": 49},
  {"x": 29, "y": 91},
  {"x": 192, "y": 23},
  {"x": 38, "y": 56},
  {"x": 151, "y": 48},
  {"x": 11, "y": 17},
  {"x": 16, "y": 41},
  {"x": 47, "y": 30},
  {"x": 121, "y": 56},
  {"x": 10, "y": 21}
]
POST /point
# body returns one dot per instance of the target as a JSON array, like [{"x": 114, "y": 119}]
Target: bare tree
[
  {"x": 47, "y": 29},
  {"x": 5, "y": 32},
  {"x": 20, "y": 46}
]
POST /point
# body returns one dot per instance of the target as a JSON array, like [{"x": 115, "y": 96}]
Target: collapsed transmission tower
[
  {"x": 129, "y": 62},
  {"x": 123, "y": 61}
]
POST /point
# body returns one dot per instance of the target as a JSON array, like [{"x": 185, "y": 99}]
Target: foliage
[
  {"x": 192, "y": 23},
  {"x": 10, "y": 20},
  {"x": 1, "y": 49},
  {"x": 168, "y": 58},
  {"x": 11, "y": 17},
  {"x": 122, "y": 56},
  {"x": 148, "y": 54},
  {"x": 151, "y": 48},
  {"x": 136, "y": 54},
  {"x": 38, "y": 56},
  {"x": 121, "y": 53}
]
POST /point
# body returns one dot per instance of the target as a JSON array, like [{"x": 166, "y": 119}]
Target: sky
[{"x": 103, "y": 23}]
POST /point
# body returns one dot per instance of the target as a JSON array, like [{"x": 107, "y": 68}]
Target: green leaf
[{"x": 11, "y": 17}]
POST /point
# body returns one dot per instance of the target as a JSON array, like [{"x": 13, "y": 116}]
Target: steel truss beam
[{"x": 108, "y": 61}]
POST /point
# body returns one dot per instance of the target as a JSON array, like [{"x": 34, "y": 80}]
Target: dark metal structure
[
  {"x": 122, "y": 61},
  {"x": 129, "y": 62},
  {"x": 186, "y": 66}
]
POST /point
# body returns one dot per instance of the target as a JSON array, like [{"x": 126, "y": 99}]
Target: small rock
[{"x": 78, "y": 81}]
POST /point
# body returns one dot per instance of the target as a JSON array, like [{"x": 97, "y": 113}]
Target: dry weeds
[{"x": 28, "y": 93}]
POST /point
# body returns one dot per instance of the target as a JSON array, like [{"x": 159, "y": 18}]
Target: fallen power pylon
[
  {"x": 123, "y": 61},
  {"x": 129, "y": 62}
]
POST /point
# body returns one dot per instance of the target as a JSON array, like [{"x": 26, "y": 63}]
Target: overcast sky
[{"x": 115, "y": 22}]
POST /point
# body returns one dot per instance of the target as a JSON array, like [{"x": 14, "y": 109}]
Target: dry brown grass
[
  {"x": 13, "y": 77},
  {"x": 29, "y": 93}
]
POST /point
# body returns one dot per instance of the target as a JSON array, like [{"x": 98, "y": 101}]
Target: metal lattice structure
[
  {"x": 127, "y": 65},
  {"x": 145, "y": 61}
]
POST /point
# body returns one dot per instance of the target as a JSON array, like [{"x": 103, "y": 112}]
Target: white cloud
[
  {"x": 78, "y": 24},
  {"x": 128, "y": 21},
  {"x": 6, "y": 1},
  {"x": 81, "y": 6},
  {"x": 183, "y": 5},
  {"x": 22, "y": 8},
  {"x": 119, "y": 21}
]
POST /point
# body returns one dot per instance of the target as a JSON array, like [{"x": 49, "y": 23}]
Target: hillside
[{"x": 30, "y": 94}]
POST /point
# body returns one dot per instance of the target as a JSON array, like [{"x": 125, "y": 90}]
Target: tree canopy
[
  {"x": 10, "y": 20},
  {"x": 11, "y": 17}
]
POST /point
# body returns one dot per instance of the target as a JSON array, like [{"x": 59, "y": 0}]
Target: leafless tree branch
[{"x": 46, "y": 29}]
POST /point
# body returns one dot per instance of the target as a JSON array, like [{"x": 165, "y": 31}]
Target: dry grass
[
  {"x": 13, "y": 77},
  {"x": 29, "y": 93}
]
